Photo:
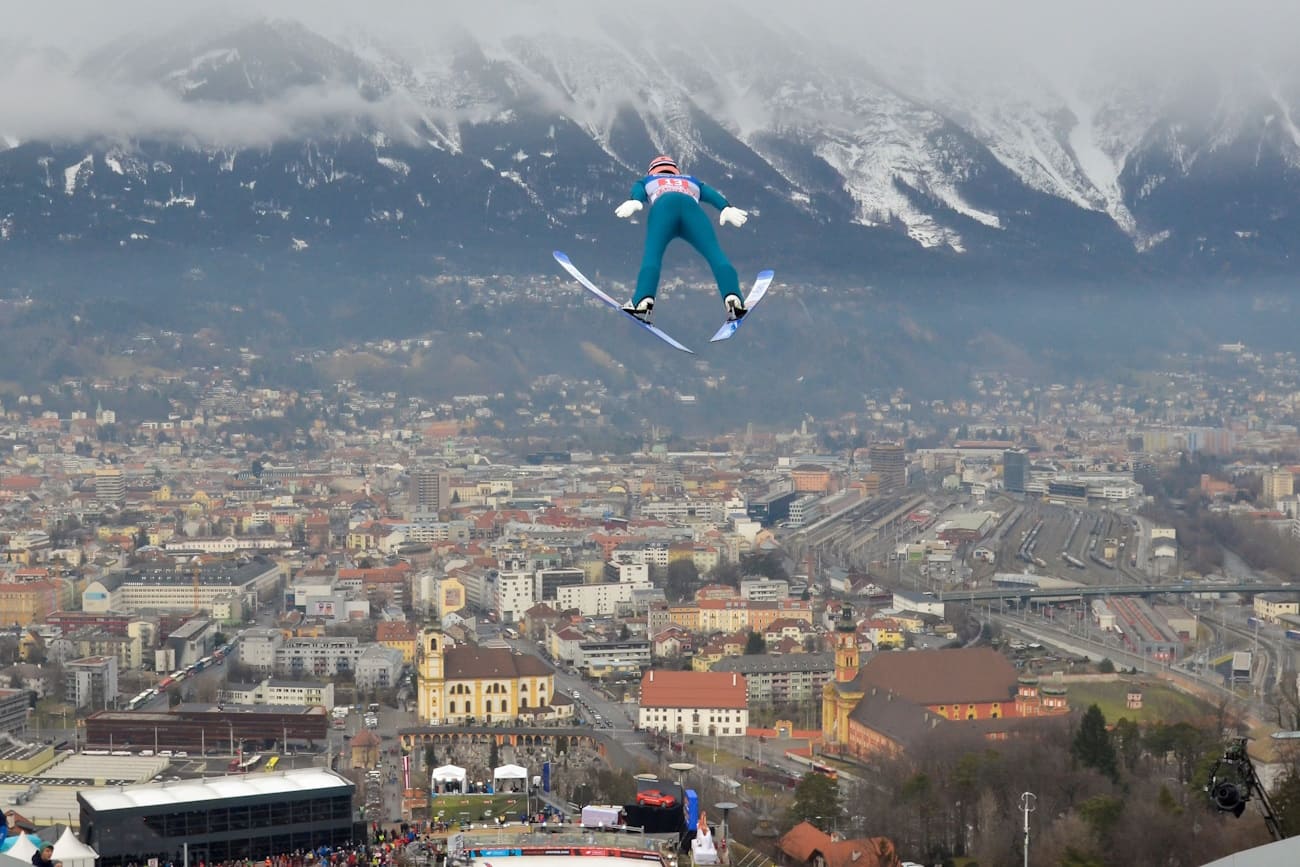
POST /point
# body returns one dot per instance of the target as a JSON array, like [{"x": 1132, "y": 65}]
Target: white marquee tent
[
  {"x": 510, "y": 773},
  {"x": 448, "y": 774},
  {"x": 72, "y": 852},
  {"x": 23, "y": 848}
]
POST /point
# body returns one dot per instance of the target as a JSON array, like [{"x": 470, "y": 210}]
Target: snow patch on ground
[
  {"x": 518, "y": 180},
  {"x": 1150, "y": 242},
  {"x": 298, "y": 245},
  {"x": 78, "y": 173},
  {"x": 267, "y": 209},
  {"x": 397, "y": 167}
]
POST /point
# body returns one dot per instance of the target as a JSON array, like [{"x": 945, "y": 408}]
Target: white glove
[
  {"x": 734, "y": 216},
  {"x": 627, "y": 209}
]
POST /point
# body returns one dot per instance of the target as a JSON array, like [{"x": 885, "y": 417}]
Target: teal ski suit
[{"x": 675, "y": 212}]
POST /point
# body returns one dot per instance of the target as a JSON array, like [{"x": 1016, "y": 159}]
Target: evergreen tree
[
  {"x": 1092, "y": 746},
  {"x": 1128, "y": 737},
  {"x": 817, "y": 800},
  {"x": 755, "y": 645},
  {"x": 768, "y": 564},
  {"x": 682, "y": 579}
]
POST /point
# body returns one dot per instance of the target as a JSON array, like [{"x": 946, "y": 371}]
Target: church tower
[
  {"x": 846, "y": 646},
  {"x": 431, "y": 681},
  {"x": 841, "y": 694}
]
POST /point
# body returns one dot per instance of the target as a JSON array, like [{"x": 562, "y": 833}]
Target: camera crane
[{"x": 1233, "y": 783}]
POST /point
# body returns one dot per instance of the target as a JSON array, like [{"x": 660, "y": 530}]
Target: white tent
[
  {"x": 23, "y": 848},
  {"x": 7, "y": 861},
  {"x": 510, "y": 772},
  {"x": 72, "y": 852},
  {"x": 448, "y": 774}
]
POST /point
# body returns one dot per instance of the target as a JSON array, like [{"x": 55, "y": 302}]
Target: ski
[
  {"x": 568, "y": 265},
  {"x": 731, "y": 326}
]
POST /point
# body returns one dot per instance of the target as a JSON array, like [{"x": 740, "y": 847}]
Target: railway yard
[{"x": 1048, "y": 548}]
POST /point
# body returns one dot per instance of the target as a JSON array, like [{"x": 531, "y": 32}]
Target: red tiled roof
[
  {"x": 395, "y": 630},
  {"x": 802, "y": 842},
  {"x": 703, "y": 689},
  {"x": 365, "y": 738}
]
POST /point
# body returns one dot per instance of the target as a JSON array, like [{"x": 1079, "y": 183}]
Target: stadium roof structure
[
  {"x": 301, "y": 780},
  {"x": 1282, "y": 852},
  {"x": 84, "y": 770}
]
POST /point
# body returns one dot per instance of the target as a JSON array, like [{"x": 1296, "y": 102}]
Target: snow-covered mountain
[{"x": 267, "y": 135}]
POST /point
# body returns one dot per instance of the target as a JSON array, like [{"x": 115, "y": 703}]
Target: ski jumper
[{"x": 675, "y": 212}]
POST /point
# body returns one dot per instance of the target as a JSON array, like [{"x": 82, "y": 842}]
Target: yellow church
[
  {"x": 468, "y": 684},
  {"x": 843, "y": 692}
]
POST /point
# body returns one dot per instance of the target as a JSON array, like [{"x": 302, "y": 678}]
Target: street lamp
[
  {"x": 1027, "y": 800},
  {"x": 726, "y": 807}
]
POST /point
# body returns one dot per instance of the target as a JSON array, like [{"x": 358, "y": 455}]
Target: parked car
[{"x": 655, "y": 798}]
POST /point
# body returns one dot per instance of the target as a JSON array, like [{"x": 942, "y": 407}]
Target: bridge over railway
[{"x": 1034, "y": 594}]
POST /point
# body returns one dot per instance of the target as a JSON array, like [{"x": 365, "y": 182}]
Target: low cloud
[
  {"x": 1003, "y": 45},
  {"x": 39, "y": 102}
]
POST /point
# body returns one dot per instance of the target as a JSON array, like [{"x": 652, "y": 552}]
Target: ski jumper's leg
[
  {"x": 697, "y": 229},
  {"x": 662, "y": 224}
]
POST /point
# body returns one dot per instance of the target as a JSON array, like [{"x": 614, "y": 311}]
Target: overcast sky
[
  {"x": 1069, "y": 39},
  {"x": 1186, "y": 27}
]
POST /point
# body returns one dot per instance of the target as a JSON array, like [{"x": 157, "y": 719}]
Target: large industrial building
[
  {"x": 163, "y": 589},
  {"x": 218, "y": 820},
  {"x": 772, "y": 508},
  {"x": 196, "y": 726}
]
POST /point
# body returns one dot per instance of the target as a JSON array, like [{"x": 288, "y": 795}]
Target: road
[
  {"x": 207, "y": 680},
  {"x": 619, "y": 730}
]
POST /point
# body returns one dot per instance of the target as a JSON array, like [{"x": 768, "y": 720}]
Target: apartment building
[
  {"x": 318, "y": 657},
  {"x": 600, "y": 600},
  {"x": 275, "y": 691},
  {"x": 790, "y": 677},
  {"x": 378, "y": 667},
  {"x": 14, "y": 708},
  {"x": 91, "y": 682}
]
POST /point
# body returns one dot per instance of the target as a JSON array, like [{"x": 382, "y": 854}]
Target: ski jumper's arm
[
  {"x": 639, "y": 193},
  {"x": 710, "y": 196}
]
